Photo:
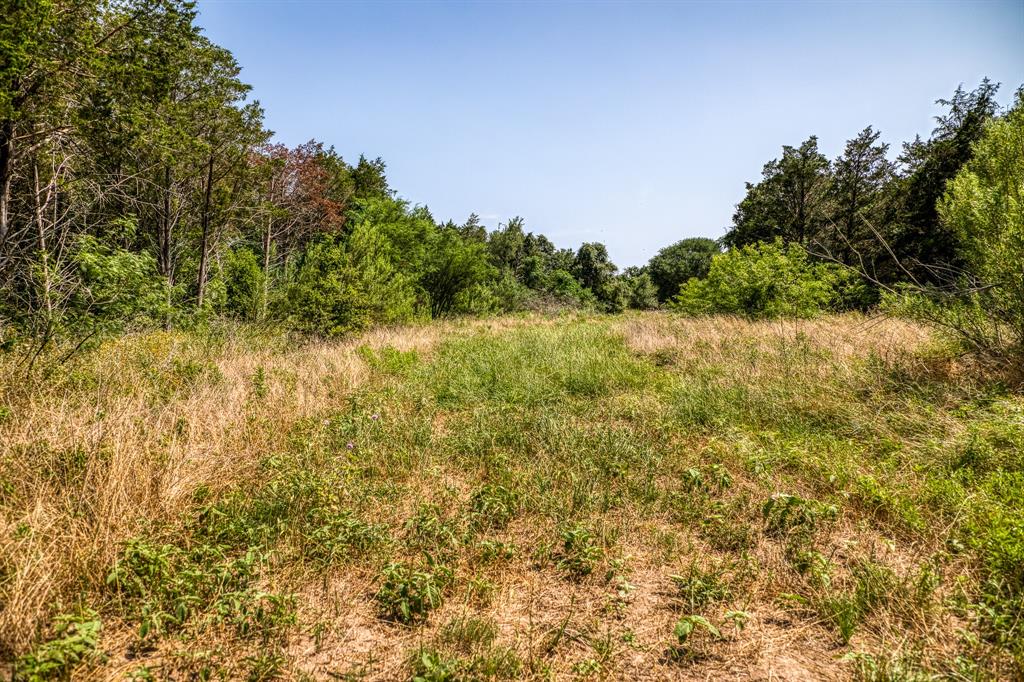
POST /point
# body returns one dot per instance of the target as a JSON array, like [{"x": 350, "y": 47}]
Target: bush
[
  {"x": 675, "y": 265},
  {"x": 114, "y": 286},
  {"x": 765, "y": 280},
  {"x": 641, "y": 292},
  {"x": 984, "y": 206},
  {"x": 344, "y": 287},
  {"x": 244, "y": 284}
]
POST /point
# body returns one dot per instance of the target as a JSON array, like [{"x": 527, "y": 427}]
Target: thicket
[{"x": 139, "y": 188}]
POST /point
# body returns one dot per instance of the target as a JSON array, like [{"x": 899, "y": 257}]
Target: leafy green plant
[
  {"x": 794, "y": 515},
  {"x": 74, "y": 641},
  {"x": 687, "y": 625},
  {"x": 429, "y": 530},
  {"x": 699, "y": 587},
  {"x": 163, "y": 587},
  {"x": 685, "y": 629},
  {"x": 408, "y": 594},
  {"x": 843, "y": 611},
  {"x": 981, "y": 308},
  {"x": 580, "y": 553},
  {"x": 765, "y": 280},
  {"x": 493, "y": 506},
  {"x": 330, "y": 534}
]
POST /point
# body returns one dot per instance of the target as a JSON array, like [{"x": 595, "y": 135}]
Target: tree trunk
[
  {"x": 6, "y": 175},
  {"x": 267, "y": 236},
  {"x": 41, "y": 242},
  {"x": 203, "y": 258}
]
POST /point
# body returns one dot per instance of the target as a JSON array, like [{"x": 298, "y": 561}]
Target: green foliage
[
  {"x": 596, "y": 272},
  {"x": 641, "y": 294},
  {"x": 164, "y": 587},
  {"x": 75, "y": 641},
  {"x": 699, "y": 587},
  {"x": 984, "y": 205},
  {"x": 344, "y": 287},
  {"x": 245, "y": 285},
  {"x": 927, "y": 246},
  {"x": 675, "y": 265},
  {"x": 685, "y": 629},
  {"x": 580, "y": 553},
  {"x": 453, "y": 268},
  {"x": 493, "y": 506},
  {"x": 997, "y": 533},
  {"x": 789, "y": 203},
  {"x": 114, "y": 287},
  {"x": 763, "y": 281},
  {"x": 409, "y": 594},
  {"x": 787, "y": 515}
]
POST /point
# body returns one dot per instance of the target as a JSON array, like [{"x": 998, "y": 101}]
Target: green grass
[{"x": 525, "y": 501}]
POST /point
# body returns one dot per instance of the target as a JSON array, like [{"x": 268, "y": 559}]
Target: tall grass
[{"x": 517, "y": 497}]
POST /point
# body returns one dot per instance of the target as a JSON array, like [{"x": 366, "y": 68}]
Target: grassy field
[{"x": 636, "y": 497}]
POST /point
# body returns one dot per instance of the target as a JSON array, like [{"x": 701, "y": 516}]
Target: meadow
[{"x": 644, "y": 496}]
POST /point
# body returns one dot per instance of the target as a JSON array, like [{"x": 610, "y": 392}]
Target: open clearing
[{"x": 634, "y": 497}]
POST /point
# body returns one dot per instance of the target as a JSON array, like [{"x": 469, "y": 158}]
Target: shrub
[
  {"x": 408, "y": 594},
  {"x": 984, "y": 205},
  {"x": 765, "y": 280},
  {"x": 244, "y": 283},
  {"x": 344, "y": 287},
  {"x": 75, "y": 641},
  {"x": 640, "y": 290},
  {"x": 675, "y": 265}
]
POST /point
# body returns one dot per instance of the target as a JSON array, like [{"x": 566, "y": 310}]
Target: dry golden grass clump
[{"x": 636, "y": 497}]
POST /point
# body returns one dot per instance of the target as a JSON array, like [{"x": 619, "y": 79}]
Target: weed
[
  {"x": 430, "y": 531},
  {"x": 886, "y": 668},
  {"x": 699, "y": 587},
  {"x": 843, "y": 611},
  {"x": 580, "y": 553},
  {"x": 493, "y": 506},
  {"x": 495, "y": 550},
  {"x": 787, "y": 515},
  {"x": 266, "y": 665},
  {"x": 686, "y": 628},
  {"x": 74, "y": 642},
  {"x": 164, "y": 586},
  {"x": 408, "y": 594}
]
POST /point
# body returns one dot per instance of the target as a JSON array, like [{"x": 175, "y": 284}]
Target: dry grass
[{"x": 121, "y": 445}]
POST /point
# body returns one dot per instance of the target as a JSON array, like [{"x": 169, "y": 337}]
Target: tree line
[{"x": 139, "y": 186}]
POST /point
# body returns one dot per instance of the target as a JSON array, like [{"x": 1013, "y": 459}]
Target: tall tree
[
  {"x": 927, "y": 248},
  {"x": 674, "y": 265},
  {"x": 790, "y": 201},
  {"x": 593, "y": 267},
  {"x": 860, "y": 179}
]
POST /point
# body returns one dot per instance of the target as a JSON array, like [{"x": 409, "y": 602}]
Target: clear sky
[{"x": 635, "y": 124}]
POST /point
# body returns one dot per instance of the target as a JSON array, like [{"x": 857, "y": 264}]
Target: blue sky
[{"x": 635, "y": 124}]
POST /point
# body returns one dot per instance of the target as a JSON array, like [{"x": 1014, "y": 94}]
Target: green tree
[
  {"x": 244, "y": 283},
  {"x": 791, "y": 200},
  {"x": 344, "y": 286},
  {"x": 860, "y": 180},
  {"x": 984, "y": 208},
  {"x": 641, "y": 293},
  {"x": 766, "y": 280},
  {"x": 675, "y": 265},
  {"x": 454, "y": 267},
  {"x": 927, "y": 247}
]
